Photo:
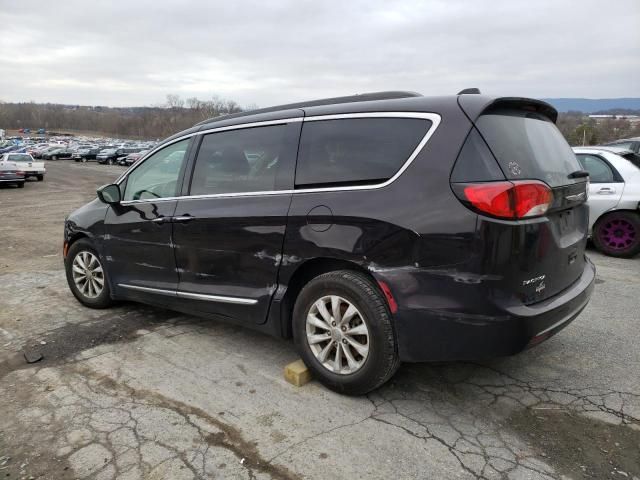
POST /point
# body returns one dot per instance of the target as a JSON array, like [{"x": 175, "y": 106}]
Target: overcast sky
[{"x": 267, "y": 52}]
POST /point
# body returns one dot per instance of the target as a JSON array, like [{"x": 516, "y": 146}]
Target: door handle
[
  {"x": 162, "y": 219},
  {"x": 606, "y": 191},
  {"x": 183, "y": 218}
]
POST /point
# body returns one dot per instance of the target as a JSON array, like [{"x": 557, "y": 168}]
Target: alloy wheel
[
  {"x": 618, "y": 234},
  {"x": 88, "y": 274},
  {"x": 337, "y": 334}
]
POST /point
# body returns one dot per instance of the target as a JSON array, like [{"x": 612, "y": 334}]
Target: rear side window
[
  {"x": 356, "y": 151},
  {"x": 20, "y": 158},
  {"x": 599, "y": 171},
  {"x": 528, "y": 146},
  {"x": 475, "y": 162}
]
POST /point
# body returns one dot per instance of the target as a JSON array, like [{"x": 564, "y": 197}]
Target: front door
[
  {"x": 138, "y": 241},
  {"x": 229, "y": 231}
]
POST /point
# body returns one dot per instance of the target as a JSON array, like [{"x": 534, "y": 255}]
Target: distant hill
[{"x": 593, "y": 105}]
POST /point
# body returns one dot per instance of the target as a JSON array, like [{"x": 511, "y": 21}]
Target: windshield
[{"x": 528, "y": 146}]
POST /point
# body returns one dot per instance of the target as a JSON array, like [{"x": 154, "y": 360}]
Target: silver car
[{"x": 614, "y": 198}]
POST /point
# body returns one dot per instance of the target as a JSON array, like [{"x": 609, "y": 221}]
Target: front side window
[
  {"x": 599, "y": 171},
  {"x": 158, "y": 176},
  {"x": 258, "y": 159},
  {"x": 356, "y": 151}
]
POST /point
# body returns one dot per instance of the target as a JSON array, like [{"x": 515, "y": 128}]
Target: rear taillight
[
  {"x": 18, "y": 172},
  {"x": 509, "y": 200}
]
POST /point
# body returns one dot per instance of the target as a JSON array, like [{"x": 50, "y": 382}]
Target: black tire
[
  {"x": 21, "y": 185},
  {"x": 40, "y": 178},
  {"x": 382, "y": 360},
  {"x": 606, "y": 229},
  {"x": 103, "y": 300}
]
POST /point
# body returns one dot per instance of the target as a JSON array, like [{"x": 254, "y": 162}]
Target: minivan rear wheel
[
  {"x": 342, "y": 329},
  {"x": 618, "y": 234}
]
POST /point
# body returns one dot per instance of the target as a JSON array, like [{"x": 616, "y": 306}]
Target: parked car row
[
  {"x": 80, "y": 149},
  {"x": 112, "y": 155}
]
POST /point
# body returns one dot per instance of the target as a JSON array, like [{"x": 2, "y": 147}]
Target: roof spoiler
[{"x": 476, "y": 105}]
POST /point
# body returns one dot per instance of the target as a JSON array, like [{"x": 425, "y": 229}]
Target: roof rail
[{"x": 362, "y": 97}]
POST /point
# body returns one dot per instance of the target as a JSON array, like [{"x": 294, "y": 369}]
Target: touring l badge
[{"x": 533, "y": 280}]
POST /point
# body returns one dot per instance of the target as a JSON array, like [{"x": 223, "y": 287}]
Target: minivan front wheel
[
  {"x": 86, "y": 275},
  {"x": 342, "y": 329}
]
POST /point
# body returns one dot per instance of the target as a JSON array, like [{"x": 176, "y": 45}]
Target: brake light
[
  {"x": 19, "y": 172},
  {"x": 511, "y": 200}
]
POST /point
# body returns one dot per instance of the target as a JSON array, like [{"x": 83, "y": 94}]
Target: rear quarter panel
[{"x": 408, "y": 228}]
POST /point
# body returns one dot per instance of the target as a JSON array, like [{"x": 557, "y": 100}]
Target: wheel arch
[
  {"x": 306, "y": 272},
  {"x": 617, "y": 210},
  {"x": 73, "y": 238}
]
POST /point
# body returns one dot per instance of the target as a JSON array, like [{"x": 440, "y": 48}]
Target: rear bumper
[{"x": 439, "y": 334}]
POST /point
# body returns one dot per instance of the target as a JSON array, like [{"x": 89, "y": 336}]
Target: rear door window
[
  {"x": 599, "y": 171},
  {"x": 356, "y": 151},
  {"x": 528, "y": 146},
  {"x": 258, "y": 159}
]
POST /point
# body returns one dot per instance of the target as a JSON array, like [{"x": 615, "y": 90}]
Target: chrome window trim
[
  {"x": 435, "y": 122},
  {"x": 433, "y": 117},
  {"x": 192, "y": 296}
]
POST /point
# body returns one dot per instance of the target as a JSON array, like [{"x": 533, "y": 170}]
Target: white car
[
  {"x": 10, "y": 173},
  {"x": 614, "y": 199},
  {"x": 26, "y": 163}
]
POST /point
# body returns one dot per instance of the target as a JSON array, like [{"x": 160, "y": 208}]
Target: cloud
[{"x": 134, "y": 53}]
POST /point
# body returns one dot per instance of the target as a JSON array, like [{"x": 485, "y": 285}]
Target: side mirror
[{"x": 109, "y": 194}]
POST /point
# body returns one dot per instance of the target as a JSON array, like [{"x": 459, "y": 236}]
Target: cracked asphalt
[{"x": 137, "y": 392}]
